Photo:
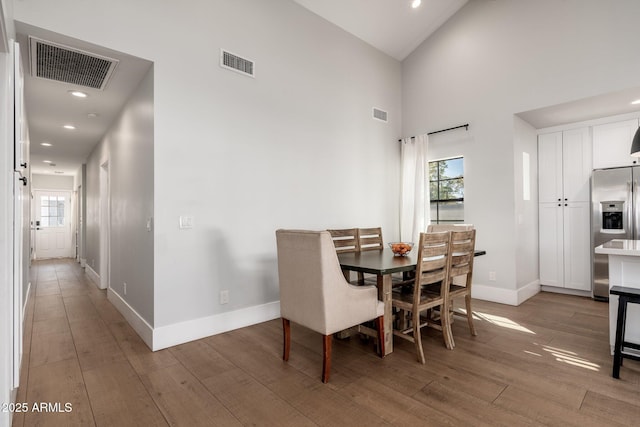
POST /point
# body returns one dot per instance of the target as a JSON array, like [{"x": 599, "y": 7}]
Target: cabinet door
[
  {"x": 612, "y": 143},
  {"x": 576, "y": 165},
  {"x": 550, "y": 244},
  {"x": 577, "y": 246},
  {"x": 550, "y": 167}
]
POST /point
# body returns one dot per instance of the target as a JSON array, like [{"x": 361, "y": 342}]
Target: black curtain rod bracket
[{"x": 465, "y": 126}]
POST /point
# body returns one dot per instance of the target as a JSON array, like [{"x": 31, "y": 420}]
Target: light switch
[{"x": 186, "y": 221}]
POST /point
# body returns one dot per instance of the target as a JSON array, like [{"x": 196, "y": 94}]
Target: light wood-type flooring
[{"x": 545, "y": 362}]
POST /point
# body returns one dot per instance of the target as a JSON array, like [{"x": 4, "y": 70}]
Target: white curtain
[{"x": 414, "y": 192}]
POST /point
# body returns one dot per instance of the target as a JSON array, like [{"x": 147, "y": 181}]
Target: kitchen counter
[
  {"x": 619, "y": 247},
  {"x": 624, "y": 270}
]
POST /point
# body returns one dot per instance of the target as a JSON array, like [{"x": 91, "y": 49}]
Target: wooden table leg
[{"x": 384, "y": 295}]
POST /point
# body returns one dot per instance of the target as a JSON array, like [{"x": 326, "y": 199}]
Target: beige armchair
[{"x": 315, "y": 294}]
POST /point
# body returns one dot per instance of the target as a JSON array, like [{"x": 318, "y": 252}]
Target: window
[
  {"x": 52, "y": 211},
  {"x": 446, "y": 190}
]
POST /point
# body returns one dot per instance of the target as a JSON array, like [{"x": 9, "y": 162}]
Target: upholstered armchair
[{"x": 315, "y": 294}]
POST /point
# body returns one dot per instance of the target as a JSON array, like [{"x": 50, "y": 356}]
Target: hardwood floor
[{"x": 545, "y": 362}]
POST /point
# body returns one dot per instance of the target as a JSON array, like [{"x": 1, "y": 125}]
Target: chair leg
[
  {"x": 380, "y": 328},
  {"x": 286, "y": 330},
  {"x": 472, "y": 328},
  {"x": 326, "y": 358},
  {"x": 417, "y": 336},
  {"x": 445, "y": 323}
]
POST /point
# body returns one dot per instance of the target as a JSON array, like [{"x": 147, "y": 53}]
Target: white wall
[
  {"x": 525, "y": 151},
  {"x": 98, "y": 156},
  {"x": 52, "y": 182},
  {"x": 495, "y": 58},
  {"x": 130, "y": 146},
  {"x": 294, "y": 147}
]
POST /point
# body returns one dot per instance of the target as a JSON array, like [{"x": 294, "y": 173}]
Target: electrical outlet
[
  {"x": 224, "y": 297},
  {"x": 492, "y": 276},
  {"x": 124, "y": 287}
]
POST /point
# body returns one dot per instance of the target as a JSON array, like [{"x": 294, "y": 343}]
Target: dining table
[{"x": 383, "y": 263}]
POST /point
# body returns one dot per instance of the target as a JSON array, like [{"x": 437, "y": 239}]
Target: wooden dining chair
[
  {"x": 369, "y": 239},
  {"x": 345, "y": 240},
  {"x": 434, "y": 228},
  {"x": 432, "y": 268},
  {"x": 461, "y": 273},
  {"x": 315, "y": 294}
]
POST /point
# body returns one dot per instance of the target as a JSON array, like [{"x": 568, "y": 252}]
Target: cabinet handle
[
  {"x": 559, "y": 204},
  {"x": 566, "y": 204},
  {"x": 559, "y": 199}
]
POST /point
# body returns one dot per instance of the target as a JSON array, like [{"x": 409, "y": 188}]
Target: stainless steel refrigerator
[{"x": 615, "y": 198}]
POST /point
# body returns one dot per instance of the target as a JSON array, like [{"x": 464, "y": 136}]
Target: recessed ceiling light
[
  {"x": 92, "y": 115},
  {"x": 636, "y": 102},
  {"x": 45, "y": 144},
  {"x": 59, "y": 172},
  {"x": 78, "y": 93},
  {"x": 415, "y": 3},
  {"x": 69, "y": 127},
  {"x": 46, "y": 161},
  {"x": 52, "y": 164}
]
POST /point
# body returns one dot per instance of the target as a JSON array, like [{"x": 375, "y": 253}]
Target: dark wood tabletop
[
  {"x": 382, "y": 262},
  {"x": 378, "y": 262}
]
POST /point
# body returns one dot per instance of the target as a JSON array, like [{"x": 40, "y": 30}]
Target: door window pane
[{"x": 52, "y": 211}]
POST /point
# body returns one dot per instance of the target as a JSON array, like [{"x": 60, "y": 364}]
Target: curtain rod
[{"x": 466, "y": 126}]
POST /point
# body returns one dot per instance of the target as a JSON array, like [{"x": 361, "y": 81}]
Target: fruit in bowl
[{"x": 401, "y": 248}]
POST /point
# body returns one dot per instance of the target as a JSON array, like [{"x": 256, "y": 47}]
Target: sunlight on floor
[
  {"x": 570, "y": 358},
  {"x": 502, "y": 322}
]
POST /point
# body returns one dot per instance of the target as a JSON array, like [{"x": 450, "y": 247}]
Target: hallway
[{"x": 80, "y": 352}]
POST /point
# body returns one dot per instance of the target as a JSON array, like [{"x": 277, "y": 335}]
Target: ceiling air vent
[
  {"x": 65, "y": 64},
  {"x": 236, "y": 63},
  {"x": 380, "y": 115}
]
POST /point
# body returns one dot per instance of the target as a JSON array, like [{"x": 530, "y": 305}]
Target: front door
[{"x": 52, "y": 216}]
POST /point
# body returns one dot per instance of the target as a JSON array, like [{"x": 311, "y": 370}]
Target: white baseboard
[
  {"x": 136, "y": 321},
  {"x": 513, "y": 297},
  {"x": 83, "y": 262},
  {"x": 527, "y": 291},
  {"x": 95, "y": 277},
  {"x": 179, "y": 333}
]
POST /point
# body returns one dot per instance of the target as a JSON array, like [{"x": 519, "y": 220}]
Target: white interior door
[{"x": 52, "y": 216}]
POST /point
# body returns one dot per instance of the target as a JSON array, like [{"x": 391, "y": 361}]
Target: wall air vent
[
  {"x": 379, "y": 114},
  {"x": 236, "y": 63},
  {"x": 65, "y": 64}
]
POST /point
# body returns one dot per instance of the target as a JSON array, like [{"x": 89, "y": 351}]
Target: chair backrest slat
[
  {"x": 345, "y": 240},
  {"x": 370, "y": 239}
]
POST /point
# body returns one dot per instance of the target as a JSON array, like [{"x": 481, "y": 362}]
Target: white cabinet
[
  {"x": 565, "y": 245},
  {"x": 551, "y": 244},
  {"x": 577, "y": 246},
  {"x": 564, "y": 170},
  {"x": 564, "y": 166},
  {"x": 612, "y": 144}
]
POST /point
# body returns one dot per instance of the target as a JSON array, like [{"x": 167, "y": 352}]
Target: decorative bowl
[{"x": 401, "y": 248}]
